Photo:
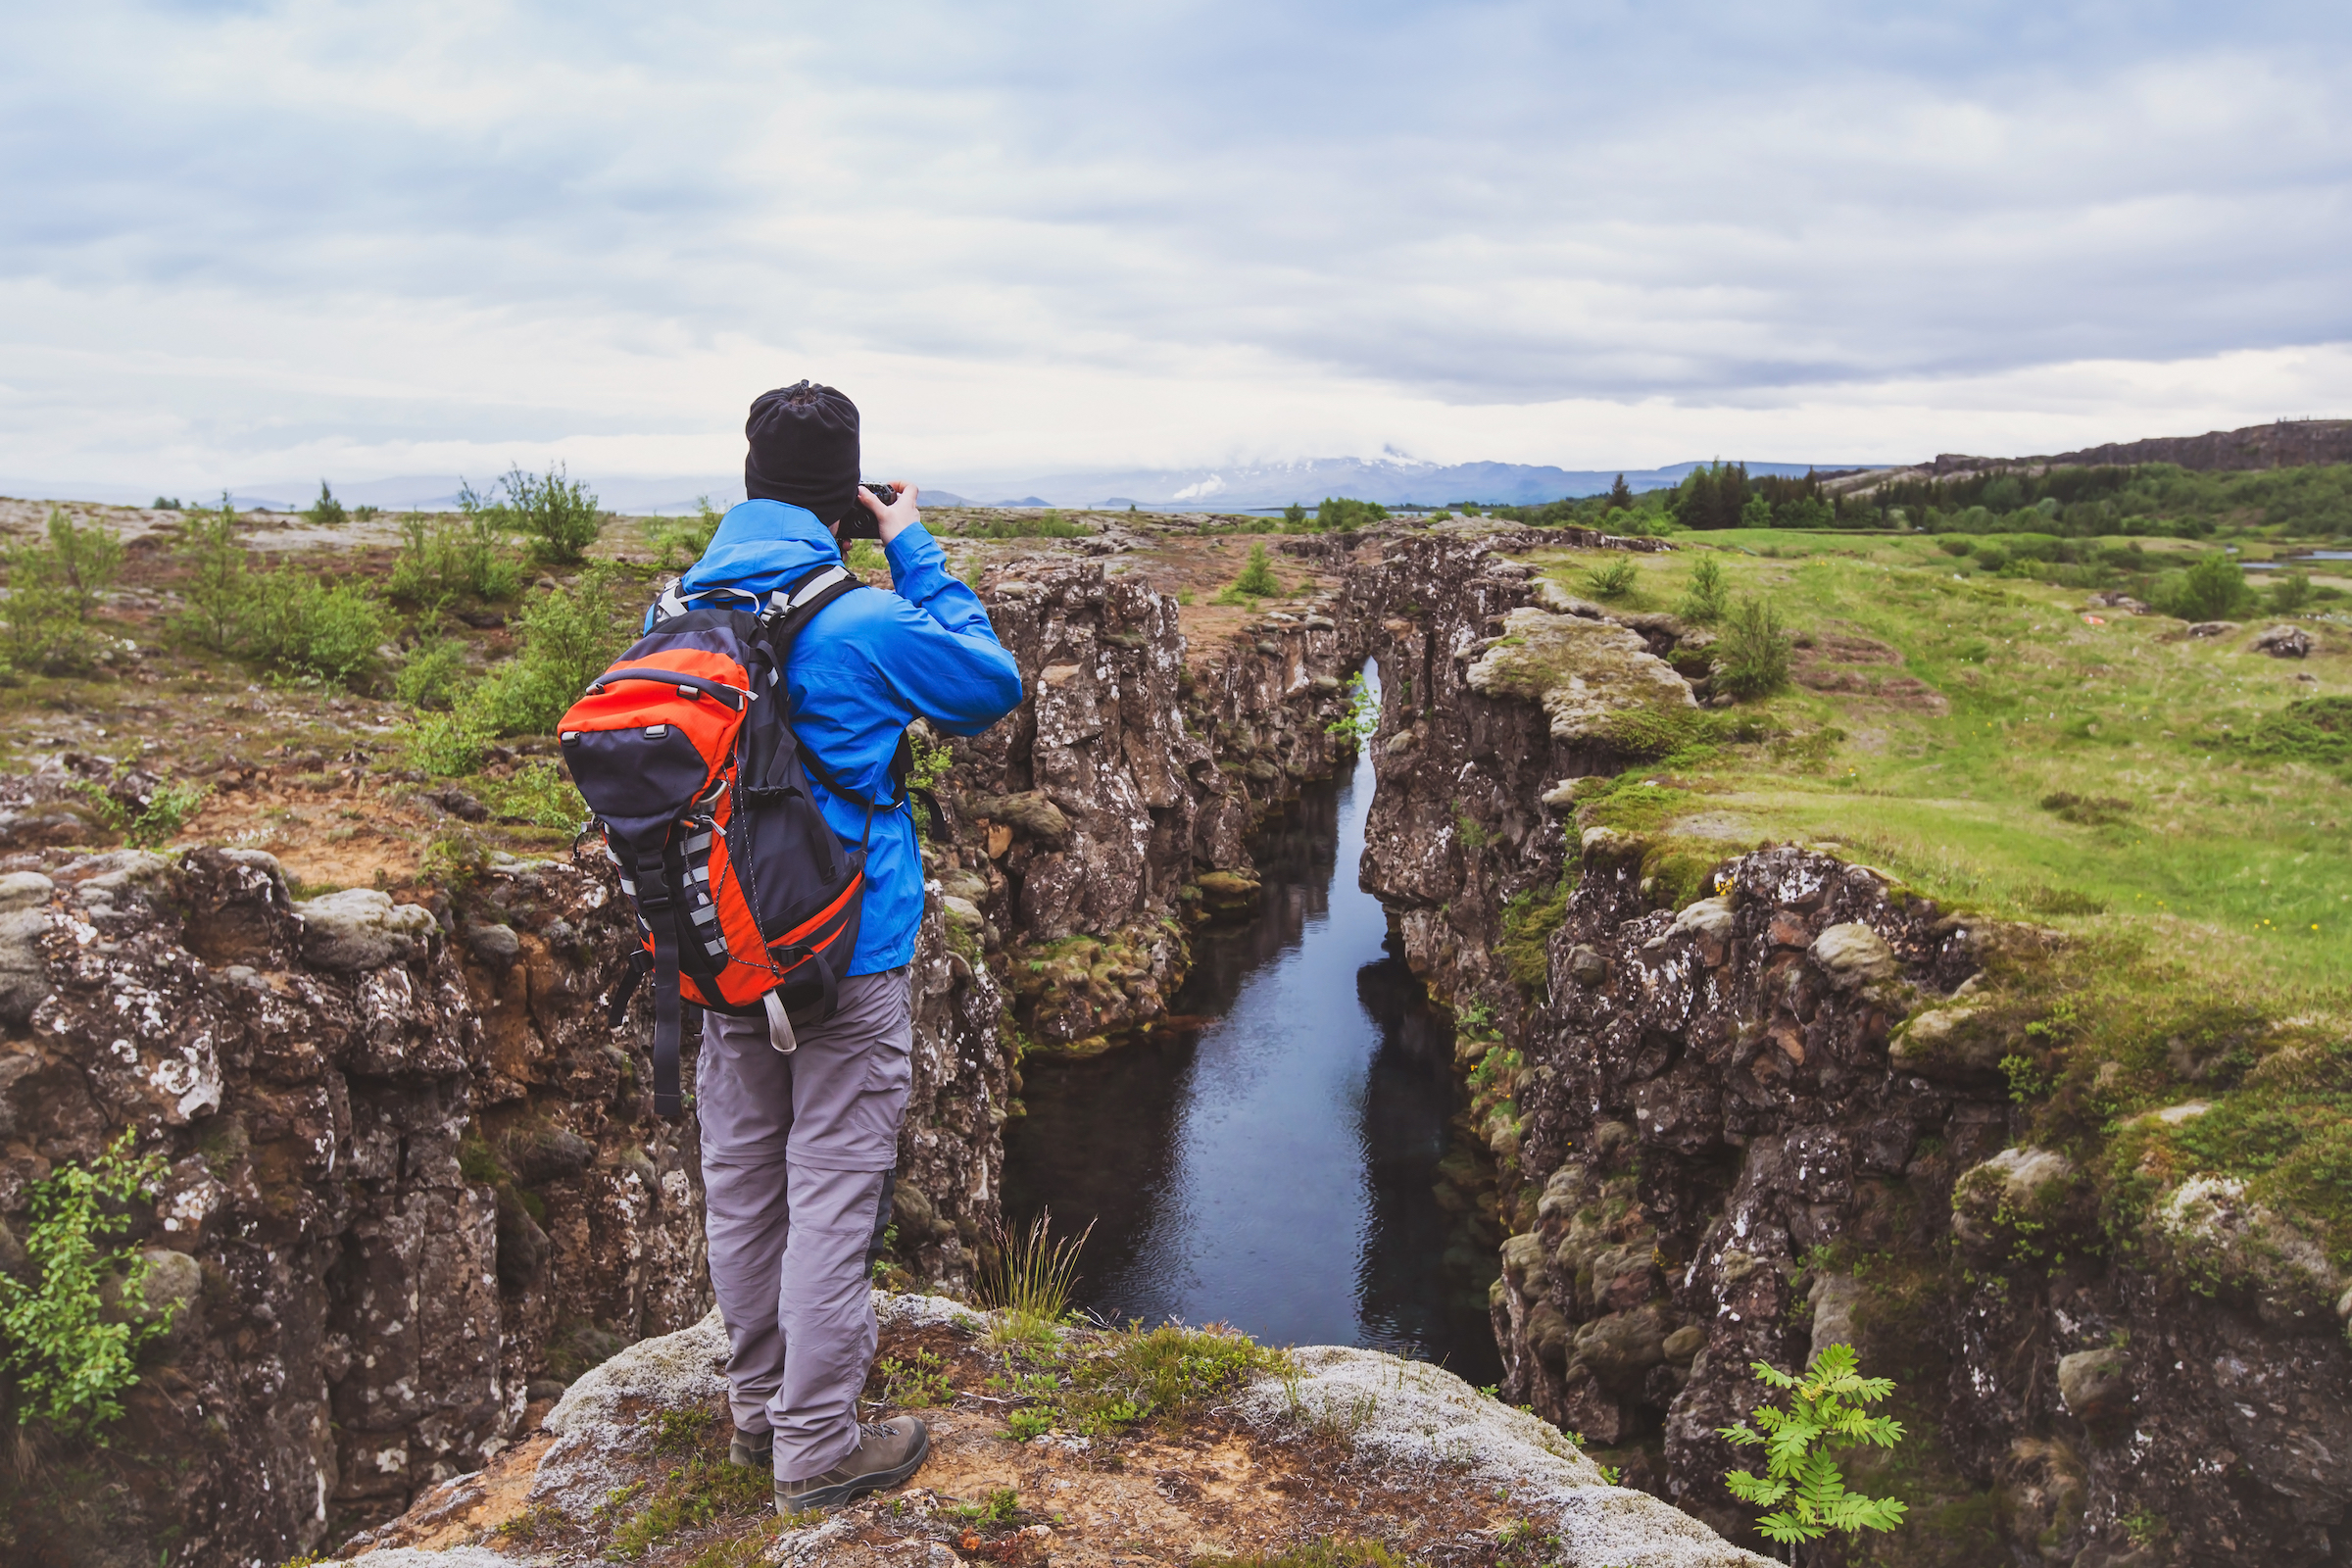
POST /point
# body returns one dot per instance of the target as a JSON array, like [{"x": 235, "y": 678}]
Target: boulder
[
  {"x": 1709, "y": 917},
  {"x": 2021, "y": 1183},
  {"x": 1834, "y": 1297},
  {"x": 1941, "y": 1042},
  {"x": 1854, "y": 955},
  {"x": 2283, "y": 642},
  {"x": 1524, "y": 1263},
  {"x": 2095, "y": 1384},
  {"x": 1622, "y": 1345},
  {"x": 2213, "y": 628},
  {"x": 494, "y": 943},
  {"x": 23, "y": 917},
  {"x": 1547, "y": 1334},
  {"x": 1028, "y": 812},
  {"x": 361, "y": 929}
]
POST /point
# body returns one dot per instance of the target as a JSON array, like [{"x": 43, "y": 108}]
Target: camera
[{"x": 860, "y": 524}]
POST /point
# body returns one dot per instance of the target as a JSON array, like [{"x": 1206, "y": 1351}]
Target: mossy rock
[{"x": 1582, "y": 672}]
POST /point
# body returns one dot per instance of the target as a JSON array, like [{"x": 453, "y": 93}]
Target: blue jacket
[{"x": 865, "y": 668}]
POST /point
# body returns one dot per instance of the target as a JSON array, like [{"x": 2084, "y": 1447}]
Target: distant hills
[{"x": 1391, "y": 481}]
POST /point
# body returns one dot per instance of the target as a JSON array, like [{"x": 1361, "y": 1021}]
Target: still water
[{"x": 1277, "y": 1167}]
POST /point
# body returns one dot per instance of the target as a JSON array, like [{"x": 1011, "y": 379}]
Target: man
[{"x": 799, "y": 1150}]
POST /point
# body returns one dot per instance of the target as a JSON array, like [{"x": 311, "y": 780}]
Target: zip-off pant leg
[{"x": 798, "y": 1152}]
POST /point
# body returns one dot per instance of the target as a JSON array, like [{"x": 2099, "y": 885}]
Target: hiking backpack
[{"x": 746, "y": 900}]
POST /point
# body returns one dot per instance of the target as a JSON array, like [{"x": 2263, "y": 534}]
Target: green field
[
  {"x": 1958, "y": 778},
  {"x": 2160, "y": 845}
]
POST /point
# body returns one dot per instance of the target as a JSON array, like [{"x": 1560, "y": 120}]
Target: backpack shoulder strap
[{"x": 789, "y": 612}]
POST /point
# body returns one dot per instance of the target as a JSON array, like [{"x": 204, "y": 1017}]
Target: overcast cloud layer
[{"x": 248, "y": 242}]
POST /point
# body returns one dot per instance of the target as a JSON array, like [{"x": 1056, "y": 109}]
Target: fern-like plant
[{"x": 1801, "y": 1483}]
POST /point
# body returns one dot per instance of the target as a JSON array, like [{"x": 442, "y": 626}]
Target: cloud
[{"x": 246, "y": 238}]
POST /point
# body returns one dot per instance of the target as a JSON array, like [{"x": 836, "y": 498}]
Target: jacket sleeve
[{"x": 938, "y": 650}]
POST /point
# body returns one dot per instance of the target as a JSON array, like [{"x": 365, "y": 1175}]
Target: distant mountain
[
  {"x": 1230, "y": 487},
  {"x": 2282, "y": 444},
  {"x": 1388, "y": 480}
]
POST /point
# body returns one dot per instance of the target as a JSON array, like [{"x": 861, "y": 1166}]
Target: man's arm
[{"x": 943, "y": 658}]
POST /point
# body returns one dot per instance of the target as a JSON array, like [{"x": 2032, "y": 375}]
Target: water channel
[{"x": 1289, "y": 1167}]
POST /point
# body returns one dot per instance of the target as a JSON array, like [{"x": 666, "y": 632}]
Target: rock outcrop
[
  {"x": 1120, "y": 799},
  {"x": 1325, "y": 1444},
  {"x": 414, "y": 1179},
  {"x": 1746, "y": 1105}
]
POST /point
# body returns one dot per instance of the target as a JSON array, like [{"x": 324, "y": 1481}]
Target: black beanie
[{"x": 803, "y": 450}]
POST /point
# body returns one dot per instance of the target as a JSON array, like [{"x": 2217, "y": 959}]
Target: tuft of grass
[
  {"x": 1031, "y": 1275},
  {"x": 992, "y": 1511},
  {"x": 688, "y": 1497},
  {"x": 1529, "y": 920}
]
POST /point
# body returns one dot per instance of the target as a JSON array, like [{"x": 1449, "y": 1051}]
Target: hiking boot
[
  {"x": 753, "y": 1451},
  {"x": 886, "y": 1453}
]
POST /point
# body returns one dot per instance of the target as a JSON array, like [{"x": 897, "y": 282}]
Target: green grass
[{"x": 2229, "y": 830}]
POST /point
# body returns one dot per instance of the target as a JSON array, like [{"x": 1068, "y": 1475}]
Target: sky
[{"x": 246, "y": 242}]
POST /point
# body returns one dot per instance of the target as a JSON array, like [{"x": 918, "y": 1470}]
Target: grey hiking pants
[{"x": 798, "y": 1152}]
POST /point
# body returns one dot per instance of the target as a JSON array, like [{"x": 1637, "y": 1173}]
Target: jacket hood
[{"x": 761, "y": 546}]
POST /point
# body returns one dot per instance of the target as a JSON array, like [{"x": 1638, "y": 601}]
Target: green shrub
[
  {"x": 2291, "y": 592},
  {"x": 68, "y": 1365},
  {"x": 327, "y": 510},
  {"x": 445, "y": 557},
  {"x": 79, "y": 560},
  {"x": 1802, "y": 1483},
  {"x": 434, "y": 674},
  {"x": 681, "y": 540},
  {"x": 1613, "y": 579},
  {"x": 1706, "y": 600},
  {"x": 1257, "y": 579},
  {"x": 217, "y": 585},
  {"x": 541, "y": 793},
  {"x": 1360, "y": 720},
  {"x": 444, "y": 745},
  {"x": 158, "y": 820},
  {"x": 865, "y": 555},
  {"x": 53, "y": 586},
  {"x": 2215, "y": 588},
  {"x": 566, "y": 637},
  {"x": 560, "y": 515},
  {"x": 1342, "y": 514},
  {"x": 1751, "y": 658},
  {"x": 304, "y": 627},
  {"x": 1991, "y": 558}
]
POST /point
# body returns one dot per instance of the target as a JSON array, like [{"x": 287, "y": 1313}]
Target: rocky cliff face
[
  {"x": 415, "y": 1181},
  {"x": 1116, "y": 803},
  {"x": 1749, "y": 1105}
]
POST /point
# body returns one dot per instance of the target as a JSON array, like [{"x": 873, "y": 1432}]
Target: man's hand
[{"x": 897, "y": 518}]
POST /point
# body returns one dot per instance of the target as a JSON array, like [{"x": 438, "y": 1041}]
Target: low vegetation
[
  {"x": 1826, "y": 1411},
  {"x": 68, "y": 1359}
]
